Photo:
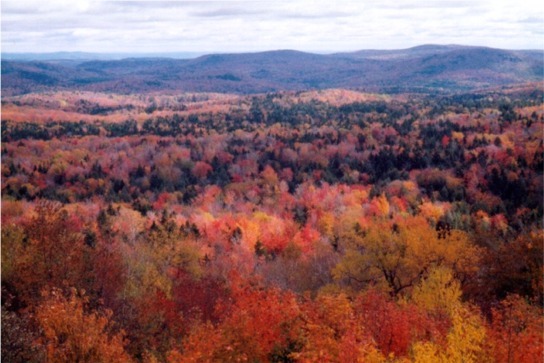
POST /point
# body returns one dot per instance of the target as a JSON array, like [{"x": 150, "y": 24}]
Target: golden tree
[{"x": 74, "y": 333}]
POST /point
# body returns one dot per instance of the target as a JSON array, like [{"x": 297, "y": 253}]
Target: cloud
[
  {"x": 231, "y": 26},
  {"x": 224, "y": 12},
  {"x": 532, "y": 20}
]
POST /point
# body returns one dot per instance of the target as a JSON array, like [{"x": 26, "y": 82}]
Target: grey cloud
[
  {"x": 278, "y": 10},
  {"x": 227, "y": 12},
  {"x": 329, "y": 15},
  {"x": 532, "y": 20},
  {"x": 153, "y": 4},
  {"x": 430, "y": 4},
  {"x": 17, "y": 9}
]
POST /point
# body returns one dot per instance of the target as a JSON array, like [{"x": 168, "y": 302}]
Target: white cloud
[{"x": 231, "y": 26}]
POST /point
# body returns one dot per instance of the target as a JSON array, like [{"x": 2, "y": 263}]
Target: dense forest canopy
[{"x": 311, "y": 226}]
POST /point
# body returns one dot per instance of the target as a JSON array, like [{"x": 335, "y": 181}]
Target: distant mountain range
[
  {"x": 70, "y": 56},
  {"x": 427, "y": 68}
]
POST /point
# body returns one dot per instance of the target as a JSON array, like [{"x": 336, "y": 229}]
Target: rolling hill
[{"x": 424, "y": 68}]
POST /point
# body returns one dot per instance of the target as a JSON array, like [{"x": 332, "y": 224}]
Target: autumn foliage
[
  {"x": 73, "y": 333},
  {"x": 329, "y": 226}
]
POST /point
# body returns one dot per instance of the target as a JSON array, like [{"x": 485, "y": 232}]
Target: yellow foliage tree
[
  {"x": 439, "y": 292},
  {"x": 465, "y": 341},
  {"x": 397, "y": 254},
  {"x": 150, "y": 261}
]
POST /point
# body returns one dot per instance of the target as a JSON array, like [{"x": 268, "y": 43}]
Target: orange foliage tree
[
  {"x": 53, "y": 255},
  {"x": 515, "y": 332},
  {"x": 74, "y": 333},
  {"x": 258, "y": 325}
]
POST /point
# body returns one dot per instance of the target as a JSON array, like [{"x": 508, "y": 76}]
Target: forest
[{"x": 293, "y": 226}]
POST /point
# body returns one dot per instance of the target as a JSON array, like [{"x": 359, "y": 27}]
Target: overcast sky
[{"x": 240, "y": 26}]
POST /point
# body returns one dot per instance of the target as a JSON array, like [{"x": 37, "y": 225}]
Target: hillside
[
  {"x": 423, "y": 68},
  {"x": 317, "y": 226}
]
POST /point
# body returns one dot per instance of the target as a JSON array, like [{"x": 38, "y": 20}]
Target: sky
[{"x": 153, "y": 26}]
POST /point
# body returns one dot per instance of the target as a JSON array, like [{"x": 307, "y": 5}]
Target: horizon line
[{"x": 185, "y": 54}]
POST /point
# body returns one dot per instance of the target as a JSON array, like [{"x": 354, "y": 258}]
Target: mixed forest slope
[
  {"x": 424, "y": 68},
  {"x": 293, "y": 226}
]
